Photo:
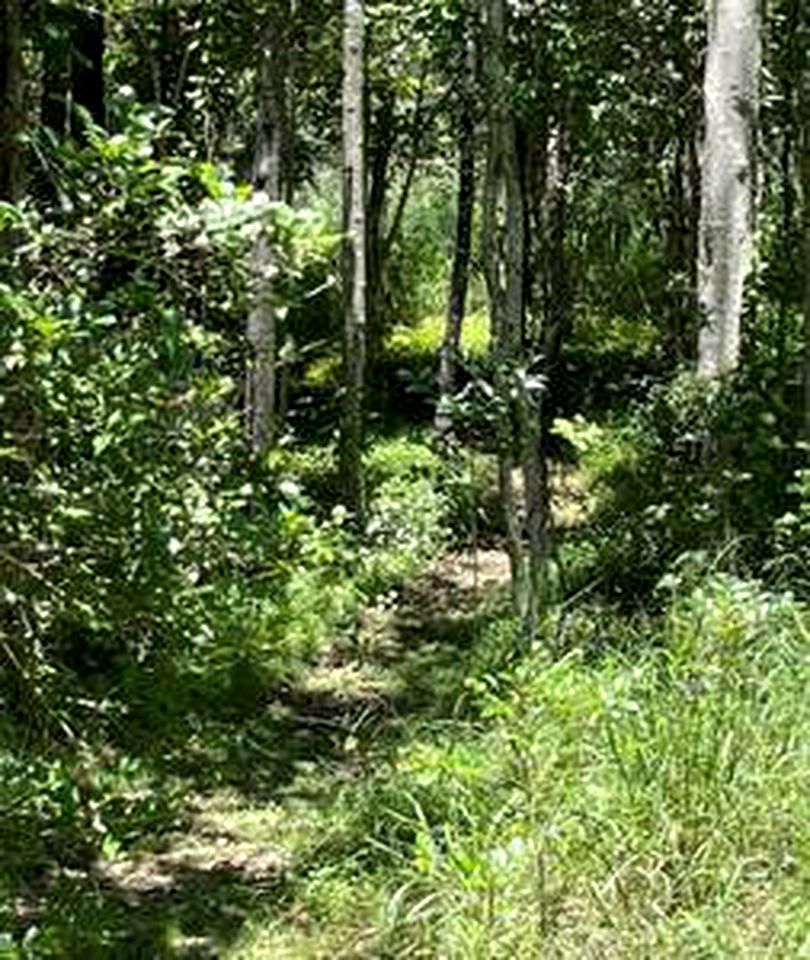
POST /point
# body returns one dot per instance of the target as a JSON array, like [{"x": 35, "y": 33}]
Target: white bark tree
[
  {"x": 354, "y": 257},
  {"x": 727, "y": 229},
  {"x": 504, "y": 249}
]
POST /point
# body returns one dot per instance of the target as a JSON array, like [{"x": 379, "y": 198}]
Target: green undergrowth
[
  {"x": 414, "y": 350},
  {"x": 195, "y": 717},
  {"x": 651, "y": 802},
  {"x": 635, "y": 784}
]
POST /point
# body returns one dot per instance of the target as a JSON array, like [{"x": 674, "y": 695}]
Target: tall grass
[{"x": 650, "y": 803}]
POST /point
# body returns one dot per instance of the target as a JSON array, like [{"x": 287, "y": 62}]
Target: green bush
[
  {"x": 126, "y": 494},
  {"x": 708, "y": 469}
]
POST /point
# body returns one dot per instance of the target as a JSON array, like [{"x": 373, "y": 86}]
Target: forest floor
[
  {"x": 226, "y": 885},
  {"x": 635, "y": 785}
]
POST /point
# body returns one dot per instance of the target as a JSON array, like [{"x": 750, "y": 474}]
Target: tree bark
[
  {"x": 731, "y": 97},
  {"x": 354, "y": 259},
  {"x": 271, "y": 177},
  {"x": 12, "y": 171},
  {"x": 74, "y": 78},
  {"x": 519, "y": 428},
  {"x": 804, "y": 167},
  {"x": 460, "y": 277},
  {"x": 503, "y": 251},
  {"x": 554, "y": 220},
  {"x": 381, "y": 147}
]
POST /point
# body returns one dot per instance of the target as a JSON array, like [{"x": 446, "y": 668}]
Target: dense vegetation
[{"x": 416, "y": 569}]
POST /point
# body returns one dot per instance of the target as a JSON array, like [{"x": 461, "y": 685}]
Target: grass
[
  {"x": 648, "y": 803},
  {"x": 635, "y": 786}
]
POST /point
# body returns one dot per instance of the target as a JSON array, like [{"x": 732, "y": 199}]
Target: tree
[
  {"x": 804, "y": 167},
  {"x": 731, "y": 97},
  {"x": 354, "y": 258},
  {"x": 504, "y": 249},
  {"x": 460, "y": 276},
  {"x": 272, "y": 179},
  {"x": 12, "y": 182}
]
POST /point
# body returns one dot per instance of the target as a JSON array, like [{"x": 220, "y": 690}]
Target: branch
[{"x": 416, "y": 140}]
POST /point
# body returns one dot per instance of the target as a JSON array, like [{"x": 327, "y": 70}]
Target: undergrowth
[{"x": 647, "y": 803}]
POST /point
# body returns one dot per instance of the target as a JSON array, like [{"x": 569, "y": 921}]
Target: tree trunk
[
  {"x": 519, "y": 432},
  {"x": 12, "y": 173},
  {"x": 804, "y": 167},
  {"x": 381, "y": 147},
  {"x": 354, "y": 259},
  {"x": 460, "y": 277},
  {"x": 555, "y": 217},
  {"x": 731, "y": 97},
  {"x": 789, "y": 69},
  {"x": 271, "y": 176},
  {"x": 73, "y": 78}
]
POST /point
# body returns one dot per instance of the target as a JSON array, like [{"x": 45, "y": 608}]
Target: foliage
[
  {"x": 125, "y": 498},
  {"x": 636, "y": 801},
  {"x": 710, "y": 469},
  {"x": 184, "y": 626}
]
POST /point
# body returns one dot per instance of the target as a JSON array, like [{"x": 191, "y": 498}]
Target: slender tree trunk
[
  {"x": 499, "y": 214},
  {"x": 693, "y": 207},
  {"x": 354, "y": 259},
  {"x": 520, "y": 433},
  {"x": 460, "y": 277},
  {"x": 804, "y": 167},
  {"x": 682, "y": 221},
  {"x": 790, "y": 122},
  {"x": 271, "y": 176},
  {"x": 12, "y": 174},
  {"x": 555, "y": 218},
  {"x": 381, "y": 147},
  {"x": 675, "y": 247},
  {"x": 731, "y": 96}
]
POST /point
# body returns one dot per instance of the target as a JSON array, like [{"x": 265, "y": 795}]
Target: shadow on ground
[
  {"x": 190, "y": 894},
  {"x": 197, "y": 915}
]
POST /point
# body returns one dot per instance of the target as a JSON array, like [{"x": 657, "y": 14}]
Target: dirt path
[{"x": 247, "y": 840}]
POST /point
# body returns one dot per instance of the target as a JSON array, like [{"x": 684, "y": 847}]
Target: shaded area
[
  {"x": 190, "y": 893},
  {"x": 195, "y": 911}
]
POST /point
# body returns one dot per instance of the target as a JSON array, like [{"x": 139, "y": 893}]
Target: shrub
[{"x": 710, "y": 470}]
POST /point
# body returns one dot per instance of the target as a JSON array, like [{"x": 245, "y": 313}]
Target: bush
[
  {"x": 126, "y": 495},
  {"x": 709, "y": 470}
]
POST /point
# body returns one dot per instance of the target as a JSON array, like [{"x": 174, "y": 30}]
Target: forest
[{"x": 404, "y": 479}]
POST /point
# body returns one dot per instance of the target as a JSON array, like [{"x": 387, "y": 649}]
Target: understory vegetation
[{"x": 417, "y": 571}]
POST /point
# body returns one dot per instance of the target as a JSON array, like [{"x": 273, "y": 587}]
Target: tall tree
[
  {"x": 272, "y": 179},
  {"x": 11, "y": 101},
  {"x": 460, "y": 276},
  {"x": 731, "y": 97},
  {"x": 354, "y": 258},
  {"x": 804, "y": 168},
  {"x": 520, "y": 433}
]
